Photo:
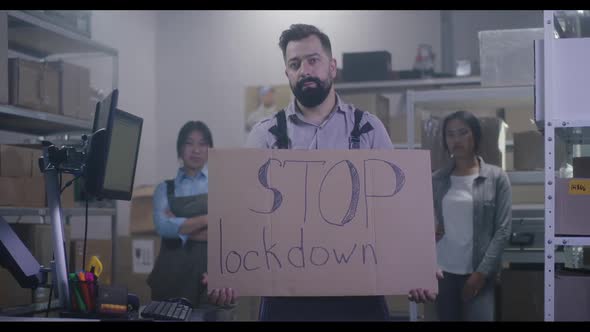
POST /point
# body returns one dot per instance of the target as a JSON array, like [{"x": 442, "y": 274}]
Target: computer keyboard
[{"x": 167, "y": 310}]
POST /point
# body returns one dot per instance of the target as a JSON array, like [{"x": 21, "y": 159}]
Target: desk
[
  {"x": 44, "y": 319},
  {"x": 197, "y": 315}
]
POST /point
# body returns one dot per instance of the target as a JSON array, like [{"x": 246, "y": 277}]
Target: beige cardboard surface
[
  {"x": 373, "y": 103},
  {"x": 320, "y": 223},
  {"x": 142, "y": 210},
  {"x": 15, "y": 161}
]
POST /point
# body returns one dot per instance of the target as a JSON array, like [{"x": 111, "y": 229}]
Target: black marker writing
[
  {"x": 263, "y": 179},
  {"x": 354, "y": 198}
]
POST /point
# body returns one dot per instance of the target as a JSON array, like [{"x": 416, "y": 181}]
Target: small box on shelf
[
  {"x": 33, "y": 85},
  {"x": 581, "y": 167},
  {"x": 15, "y": 161},
  {"x": 572, "y": 199},
  {"x": 74, "y": 89},
  {"x": 572, "y": 290}
]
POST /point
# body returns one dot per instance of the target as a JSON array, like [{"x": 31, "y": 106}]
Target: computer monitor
[
  {"x": 112, "y": 155},
  {"x": 104, "y": 109},
  {"x": 122, "y": 155}
]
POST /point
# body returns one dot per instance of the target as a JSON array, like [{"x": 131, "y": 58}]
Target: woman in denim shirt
[{"x": 472, "y": 204}]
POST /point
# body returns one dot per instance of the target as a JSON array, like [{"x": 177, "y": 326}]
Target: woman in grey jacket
[{"x": 472, "y": 204}]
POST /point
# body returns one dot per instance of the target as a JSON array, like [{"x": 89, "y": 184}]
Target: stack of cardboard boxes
[
  {"x": 53, "y": 87},
  {"x": 138, "y": 252},
  {"x": 22, "y": 182}
]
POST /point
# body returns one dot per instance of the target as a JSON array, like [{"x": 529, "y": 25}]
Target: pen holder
[{"x": 83, "y": 296}]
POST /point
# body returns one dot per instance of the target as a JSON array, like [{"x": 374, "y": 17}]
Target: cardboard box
[
  {"x": 571, "y": 211},
  {"x": 50, "y": 90},
  {"x": 519, "y": 120},
  {"x": 33, "y": 85},
  {"x": 12, "y": 294},
  {"x": 3, "y": 57},
  {"x": 74, "y": 86},
  {"x": 521, "y": 296},
  {"x": 35, "y": 155},
  {"x": 581, "y": 167},
  {"x": 136, "y": 259},
  {"x": 373, "y": 103},
  {"x": 529, "y": 151},
  {"x": 11, "y": 191},
  {"x": 528, "y": 194},
  {"x": 141, "y": 214},
  {"x": 100, "y": 248},
  {"x": 492, "y": 146},
  {"x": 572, "y": 296},
  {"x": 15, "y": 161},
  {"x": 39, "y": 240},
  {"x": 398, "y": 129},
  {"x": 31, "y": 192},
  {"x": 507, "y": 56},
  {"x": 34, "y": 192}
]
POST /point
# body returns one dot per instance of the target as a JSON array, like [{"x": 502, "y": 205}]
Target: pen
[
  {"x": 84, "y": 288},
  {"x": 92, "y": 290}
]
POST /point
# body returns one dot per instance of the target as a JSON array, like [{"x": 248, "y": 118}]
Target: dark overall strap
[
  {"x": 178, "y": 266},
  {"x": 355, "y": 136},
  {"x": 170, "y": 188},
  {"x": 280, "y": 130}
]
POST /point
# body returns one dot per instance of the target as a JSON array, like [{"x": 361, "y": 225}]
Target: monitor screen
[
  {"x": 112, "y": 155},
  {"x": 122, "y": 154}
]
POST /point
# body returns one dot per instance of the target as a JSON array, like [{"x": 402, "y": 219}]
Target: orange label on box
[{"x": 579, "y": 187}]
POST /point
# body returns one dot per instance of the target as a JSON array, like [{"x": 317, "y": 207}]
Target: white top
[{"x": 455, "y": 249}]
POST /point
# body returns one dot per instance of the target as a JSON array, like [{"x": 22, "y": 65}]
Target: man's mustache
[{"x": 303, "y": 81}]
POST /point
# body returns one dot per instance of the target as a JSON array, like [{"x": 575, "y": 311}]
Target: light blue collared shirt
[{"x": 184, "y": 185}]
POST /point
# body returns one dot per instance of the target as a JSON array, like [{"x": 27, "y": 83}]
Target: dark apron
[{"x": 179, "y": 269}]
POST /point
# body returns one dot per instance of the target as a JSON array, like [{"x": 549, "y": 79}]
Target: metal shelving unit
[
  {"x": 31, "y": 37},
  {"x": 26, "y": 121},
  {"x": 514, "y": 97},
  {"x": 564, "y": 96},
  {"x": 397, "y": 85},
  {"x": 29, "y": 34}
]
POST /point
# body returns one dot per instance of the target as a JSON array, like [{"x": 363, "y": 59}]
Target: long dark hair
[{"x": 471, "y": 121}]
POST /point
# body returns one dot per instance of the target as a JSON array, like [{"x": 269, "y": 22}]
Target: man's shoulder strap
[
  {"x": 280, "y": 130},
  {"x": 357, "y": 131}
]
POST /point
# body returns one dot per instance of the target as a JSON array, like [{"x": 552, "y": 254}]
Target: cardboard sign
[
  {"x": 320, "y": 222},
  {"x": 579, "y": 187}
]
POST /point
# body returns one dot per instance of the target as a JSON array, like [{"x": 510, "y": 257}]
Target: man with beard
[{"x": 317, "y": 119}]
